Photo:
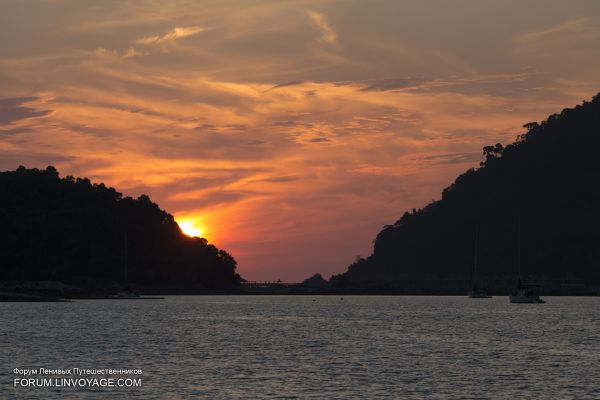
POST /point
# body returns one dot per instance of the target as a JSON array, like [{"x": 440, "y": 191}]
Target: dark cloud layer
[{"x": 12, "y": 109}]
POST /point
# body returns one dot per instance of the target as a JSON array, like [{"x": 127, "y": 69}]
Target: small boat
[
  {"x": 477, "y": 292},
  {"x": 125, "y": 294},
  {"x": 525, "y": 294}
]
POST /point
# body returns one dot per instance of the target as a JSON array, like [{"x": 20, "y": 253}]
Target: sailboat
[
  {"x": 477, "y": 292},
  {"x": 125, "y": 293},
  {"x": 523, "y": 293}
]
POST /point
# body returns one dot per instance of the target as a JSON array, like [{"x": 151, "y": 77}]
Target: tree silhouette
[
  {"x": 550, "y": 173},
  {"x": 72, "y": 230}
]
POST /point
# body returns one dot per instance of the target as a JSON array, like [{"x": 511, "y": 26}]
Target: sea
[{"x": 301, "y": 347}]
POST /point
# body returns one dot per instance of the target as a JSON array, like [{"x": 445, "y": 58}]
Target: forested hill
[
  {"x": 550, "y": 177},
  {"x": 70, "y": 230}
]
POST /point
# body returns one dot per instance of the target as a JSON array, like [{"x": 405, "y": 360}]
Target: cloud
[
  {"x": 12, "y": 109},
  {"x": 172, "y": 35},
  {"x": 453, "y": 158},
  {"x": 382, "y": 85},
  {"x": 328, "y": 35},
  {"x": 285, "y": 84},
  {"x": 292, "y": 123},
  {"x": 132, "y": 52},
  {"x": 280, "y": 179},
  {"x": 308, "y": 173},
  {"x": 14, "y": 131},
  {"x": 577, "y": 25},
  {"x": 318, "y": 140}
]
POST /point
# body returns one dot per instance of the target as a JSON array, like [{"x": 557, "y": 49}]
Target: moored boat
[
  {"x": 125, "y": 294},
  {"x": 523, "y": 294},
  {"x": 477, "y": 292}
]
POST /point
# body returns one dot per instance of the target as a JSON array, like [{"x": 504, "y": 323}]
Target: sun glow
[{"x": 189, "y": 228}]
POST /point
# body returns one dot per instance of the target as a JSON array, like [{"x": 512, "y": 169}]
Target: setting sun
[{"x": 189, "y": 228}]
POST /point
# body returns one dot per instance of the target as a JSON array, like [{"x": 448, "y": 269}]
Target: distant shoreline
[
  {"x": 52, "y": 291},
  {"x": 27, "y": 298}
]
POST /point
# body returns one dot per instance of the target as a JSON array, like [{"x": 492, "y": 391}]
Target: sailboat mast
[
  {"x": 125, "y": 259},
  {"x": 475, "y": 254},
  {"x": 519, "y": 244}
]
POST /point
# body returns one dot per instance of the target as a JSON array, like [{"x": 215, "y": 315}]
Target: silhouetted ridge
[
  {"x": 315, "y": 281},
  {"x": 550, "y": 176},
  {"x": 71, "y": 230}
]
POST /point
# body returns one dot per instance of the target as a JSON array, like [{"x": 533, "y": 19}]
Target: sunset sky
[{"x": 287, "y": 132}]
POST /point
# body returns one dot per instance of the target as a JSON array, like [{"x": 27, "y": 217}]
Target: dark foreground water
[{"x": 222, "y": 347}]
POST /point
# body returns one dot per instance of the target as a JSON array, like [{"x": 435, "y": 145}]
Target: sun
[{"x": 189, "y": 228}]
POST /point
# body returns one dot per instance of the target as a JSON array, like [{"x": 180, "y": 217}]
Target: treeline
[
  {"x": 71, "y": 230},
  {"x": 549, "y": 178}
]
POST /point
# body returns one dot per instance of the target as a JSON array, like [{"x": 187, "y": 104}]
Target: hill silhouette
[
  {"x": 70, "y": 230},
  {"x": 315, "y": 281},
  {"x": 549, "y": 178}
]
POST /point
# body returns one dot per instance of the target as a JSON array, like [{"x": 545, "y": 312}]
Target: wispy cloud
[
  {"x": 570, "y": 26},
  {"x": 393, "y": 84},
  {"x": 172, "y": 35},
  {"x": 285, "y": 84},
  {"x": 328, "y": 35},
  {"x": 132, "y": 52}
]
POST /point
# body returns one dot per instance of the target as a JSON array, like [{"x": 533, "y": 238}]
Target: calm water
[{"x": 225, "y": 347}]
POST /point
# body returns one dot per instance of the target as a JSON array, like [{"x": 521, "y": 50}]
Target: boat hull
[
  {"x": 479, "y": 293},
  {"x": 479, "y": 296},
  {"x": 526, "y": 300}
]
